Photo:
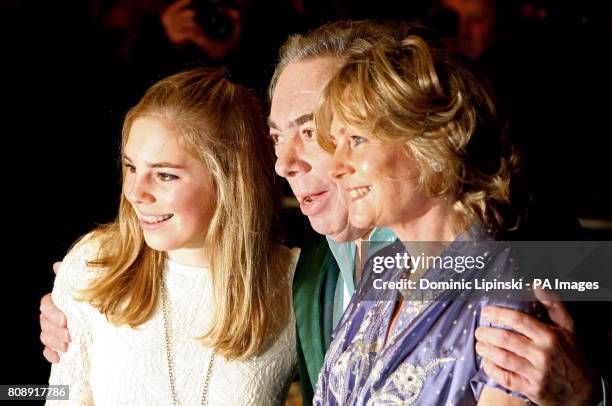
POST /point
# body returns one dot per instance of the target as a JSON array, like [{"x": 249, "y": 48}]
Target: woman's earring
[{"x": 436, "y": 166}]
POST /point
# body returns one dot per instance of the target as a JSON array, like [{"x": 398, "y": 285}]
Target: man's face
[
  {"x": 477, "y": 19},
  {"x": 300, "y": 160}
]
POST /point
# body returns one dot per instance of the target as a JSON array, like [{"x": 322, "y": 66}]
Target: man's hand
[
  {"x": 54, "y": 330},
  {"x": 539, "y": 360}
]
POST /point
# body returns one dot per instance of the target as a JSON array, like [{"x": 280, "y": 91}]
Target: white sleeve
[{"x": 73, "y": 368}]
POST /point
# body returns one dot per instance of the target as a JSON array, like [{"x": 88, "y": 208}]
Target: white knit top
[{"x": 109, "y": 365}]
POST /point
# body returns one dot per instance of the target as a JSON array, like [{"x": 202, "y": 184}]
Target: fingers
[
  {"x": 523, "y": 323},
  {"x": 180, "y": 21},
  {"x": 178, "y": 10},
  {"x": 510, "y": 341},
  {"x": 51, "y": 312},
  {"x": 57, "y": 266},
  {"x": 556, "y": 309},
  {"x": 506, "y": 360},
  {"x": 53, "y": 342},
  {"x": 53, "y": 336},
  {"x": 183, "y": 17},
  {"x": 177, "y": 5},
  {"x": 505, "y": 378},
  {"x": 179, "y": 25},
  {"x": 546, "y": 295},
  {"x": 50, "y": 355}
]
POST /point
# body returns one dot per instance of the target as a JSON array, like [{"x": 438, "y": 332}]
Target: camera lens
[{"x": 216, "y": 24}]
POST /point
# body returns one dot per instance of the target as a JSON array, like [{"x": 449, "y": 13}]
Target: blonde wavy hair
[
  {"x": 222, "y": 124},
  {"x": 414, "y": 92}
]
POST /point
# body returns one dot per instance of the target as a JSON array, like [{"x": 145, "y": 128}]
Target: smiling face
[
  {"x": 170, "y": 190},
  {"x": 300, "y": 159},
  {"x": 379, "y": 180}
]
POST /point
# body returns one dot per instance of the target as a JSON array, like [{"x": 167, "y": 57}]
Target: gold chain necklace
[{"x": 164, "y": 300}]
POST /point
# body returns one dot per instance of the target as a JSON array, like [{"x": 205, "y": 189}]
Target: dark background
[{"x": 69, "y": 76}]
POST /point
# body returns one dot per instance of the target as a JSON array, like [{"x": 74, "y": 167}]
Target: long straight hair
[{"x": 223, "y": 125}]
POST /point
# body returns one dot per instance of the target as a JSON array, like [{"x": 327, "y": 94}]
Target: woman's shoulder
[{"x": 76, "y": 272}]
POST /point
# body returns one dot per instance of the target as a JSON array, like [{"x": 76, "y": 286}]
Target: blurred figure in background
[
  {"x": 544, "y": 64},
  {"x": 540, "y": 57},
  {"x": 470, "y": 23},
  {"x": 159, "y": 38}
]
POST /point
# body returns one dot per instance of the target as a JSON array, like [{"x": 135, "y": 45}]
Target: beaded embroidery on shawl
[
  {"x": 344, "y": 361},
  {"x": 403, "y": 387},
  {"x": 407, "y": 381}
]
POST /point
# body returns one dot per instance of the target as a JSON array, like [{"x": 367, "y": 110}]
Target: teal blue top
[
  {"x": 605, "y": 390},
  {"x": 344, "y": 253}
]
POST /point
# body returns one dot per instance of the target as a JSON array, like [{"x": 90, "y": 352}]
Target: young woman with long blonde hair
[{"x": 185, "y": 297}]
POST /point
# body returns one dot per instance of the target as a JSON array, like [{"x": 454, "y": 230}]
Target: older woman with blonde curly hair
[{"x": 417, "y": 150}]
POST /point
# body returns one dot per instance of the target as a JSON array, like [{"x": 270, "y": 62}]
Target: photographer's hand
[{"x": 181, "y": 25}]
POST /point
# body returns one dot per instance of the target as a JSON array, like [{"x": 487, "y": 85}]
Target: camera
[{"x": 210, "y": 15}]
